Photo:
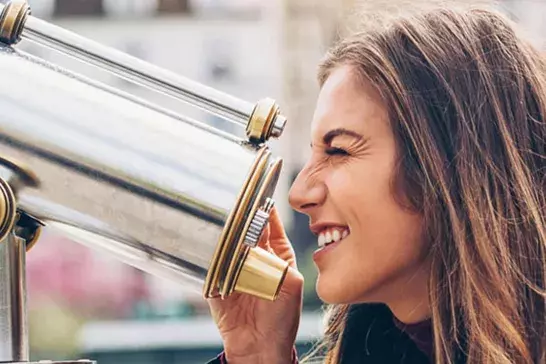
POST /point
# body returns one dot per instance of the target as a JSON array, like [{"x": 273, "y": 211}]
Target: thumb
[
  {"x": 277, "y": 230},
  {"x": 275, "y": 240}
]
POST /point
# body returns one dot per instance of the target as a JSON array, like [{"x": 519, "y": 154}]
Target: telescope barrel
[
  {"x": 158, "y": 190},
  {"x": 138, "y": 71},
  {"x": 16, "y": 23}
]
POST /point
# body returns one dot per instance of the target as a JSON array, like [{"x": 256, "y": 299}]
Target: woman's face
[{"x": 372, "y": 248}]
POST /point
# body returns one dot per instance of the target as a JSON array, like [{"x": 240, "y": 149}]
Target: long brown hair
[{"x": 467, "y": 102}]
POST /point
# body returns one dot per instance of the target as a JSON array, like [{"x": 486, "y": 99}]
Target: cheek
[
  {"x": 363, "y": 194},
  {"x": 363, "y": 191},
  {"x": 385, "y": 238}
]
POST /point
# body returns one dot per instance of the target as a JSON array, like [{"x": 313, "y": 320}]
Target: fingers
[
  {"x": 274, "y": 233},
  {"x": 275, "y": 240},
  {"x": 276, "y": 225},
  {"x": 264, "y": 240},
  {"x": 294, "y": 280}
]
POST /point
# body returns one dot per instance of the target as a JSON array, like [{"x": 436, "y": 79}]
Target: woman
[{"x": 426, "y": 188}]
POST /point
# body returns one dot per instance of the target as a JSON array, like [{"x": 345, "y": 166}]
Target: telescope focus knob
[
  {"x": 256, "y": 228},
  {"x": 262, "y": 273},
  {"x": 258, "y": 224}
]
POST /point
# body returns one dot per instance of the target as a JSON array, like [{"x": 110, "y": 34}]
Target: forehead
[{"x": 345, "y": 101}]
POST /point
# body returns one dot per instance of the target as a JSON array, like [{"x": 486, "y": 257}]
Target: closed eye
[{"x": 334, "y": 151}]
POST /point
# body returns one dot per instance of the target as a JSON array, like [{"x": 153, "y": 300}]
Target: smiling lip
[
  {"x": 322, "y": 252},
  {"x": 319, "y": 228}
]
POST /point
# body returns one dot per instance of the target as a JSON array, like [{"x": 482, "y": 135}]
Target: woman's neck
[{"x": 409, "y": 312}]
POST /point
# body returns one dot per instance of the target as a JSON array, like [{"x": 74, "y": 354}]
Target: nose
[{"x": 307, "y": 192}]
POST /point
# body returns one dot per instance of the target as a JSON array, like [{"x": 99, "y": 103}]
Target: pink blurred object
[{"x": 60, "y": 269}]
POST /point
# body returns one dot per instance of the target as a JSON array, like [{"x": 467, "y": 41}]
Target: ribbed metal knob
[{"x": 258, "y": 224}]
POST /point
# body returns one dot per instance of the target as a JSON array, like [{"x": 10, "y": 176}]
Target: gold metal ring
[
  {"x": 260, "y": 124},
  {"x": 241, "y": 248},
  {"x": 8, "y": 209},
  {"x": 22, "y": 177},
  {"x": 24, "y": 174},
  {"x": 238, "y": 247},
  {"x": 233, "y": 224},
  {"x": 12, "y": 21}
]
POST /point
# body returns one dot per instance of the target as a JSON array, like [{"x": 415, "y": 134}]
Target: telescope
[{"x": 154, "y": 188}]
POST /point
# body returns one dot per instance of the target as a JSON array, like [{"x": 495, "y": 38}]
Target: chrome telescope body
[{"x": 156, "y": 189}]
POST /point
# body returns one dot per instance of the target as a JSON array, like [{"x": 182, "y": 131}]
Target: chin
[
  {"x": 335, "y": 290},
  {"x": 335, "y": 293}
]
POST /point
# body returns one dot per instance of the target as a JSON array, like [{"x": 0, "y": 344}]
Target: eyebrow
[{"x": 327, "y": 138}]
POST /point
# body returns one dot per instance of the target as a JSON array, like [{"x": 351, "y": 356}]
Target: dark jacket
[{"x": 373, "y": 336}]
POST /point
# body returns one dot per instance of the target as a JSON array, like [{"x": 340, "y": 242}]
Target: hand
[{"x": 255, "y": 330}]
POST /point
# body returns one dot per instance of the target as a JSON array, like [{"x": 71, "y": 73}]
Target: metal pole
[
  {"x": 13, "y": 301},
  {"x": 18, "y": 233}
]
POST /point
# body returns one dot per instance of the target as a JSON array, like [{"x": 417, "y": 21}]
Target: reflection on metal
[
  {"x": 260, "y": 273},
  {"x": 13, "y": 16},
  {"x": 112, "y": 168},
  {"x": 13, "y": 318},
  {"x": 153, "y": 188},
  {"x": 141, "y": 72},
  {"x": 14, "y": 346}
]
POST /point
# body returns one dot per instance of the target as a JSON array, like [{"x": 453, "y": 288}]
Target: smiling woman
[
  {"x": 425, "y": 189},
  {"x": 347, "y": 184}
]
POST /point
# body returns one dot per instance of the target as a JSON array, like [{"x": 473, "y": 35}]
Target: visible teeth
[
  {"x": 321, "y": 240},
  {"x": 330, "y": 236}
]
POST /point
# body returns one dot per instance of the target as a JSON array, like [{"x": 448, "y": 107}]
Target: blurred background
[{"x": 86, "y": 305}]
